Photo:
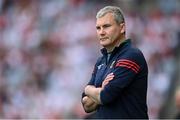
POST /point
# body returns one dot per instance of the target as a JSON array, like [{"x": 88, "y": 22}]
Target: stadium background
[{"x": 48, "y": 49}]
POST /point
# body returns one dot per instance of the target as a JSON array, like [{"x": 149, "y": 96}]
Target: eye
[
  {"x": 106, "y": 25},
  {"x": 98, "y": 28}
]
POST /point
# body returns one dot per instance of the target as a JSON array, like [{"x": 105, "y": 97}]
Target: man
[{"x": 118, "y": 86}]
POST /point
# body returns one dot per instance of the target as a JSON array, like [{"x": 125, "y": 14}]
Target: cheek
[
  {"x": 98, "y": 35},
  {"x": 114, "y": 34}
]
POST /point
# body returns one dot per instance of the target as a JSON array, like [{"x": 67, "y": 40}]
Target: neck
[{"x": 118, "y": 42}]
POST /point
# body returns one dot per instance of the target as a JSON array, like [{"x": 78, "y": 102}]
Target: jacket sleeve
[
  {"x": 93, "y": 76},
  {"x": 125, "y": 70},
  {"x": 92, "y": 80}
]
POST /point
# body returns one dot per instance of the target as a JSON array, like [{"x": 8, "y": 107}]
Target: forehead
[{"x": 106, "y": 19}]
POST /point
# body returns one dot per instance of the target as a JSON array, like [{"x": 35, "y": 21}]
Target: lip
[{"x": 103, "y": 38}]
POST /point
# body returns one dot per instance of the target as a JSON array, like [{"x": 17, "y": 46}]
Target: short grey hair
[{"x": 116, "y": 11}]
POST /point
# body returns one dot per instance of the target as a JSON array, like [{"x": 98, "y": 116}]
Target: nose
[{"x": 102, "y": 32}]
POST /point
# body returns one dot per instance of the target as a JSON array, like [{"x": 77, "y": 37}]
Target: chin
[{"x": 104, "y": 44}]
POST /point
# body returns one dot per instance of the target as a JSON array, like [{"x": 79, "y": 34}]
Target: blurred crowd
[{"x": 48, "y": 49}]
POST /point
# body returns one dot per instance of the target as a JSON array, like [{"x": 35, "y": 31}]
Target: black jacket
[{"x": 125, "y": 95}]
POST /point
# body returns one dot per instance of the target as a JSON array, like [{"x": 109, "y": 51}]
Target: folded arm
[{"x": 94, "y": 92}]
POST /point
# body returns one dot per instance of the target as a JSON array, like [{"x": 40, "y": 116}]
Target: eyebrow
[{"x": 105, "y": 25}]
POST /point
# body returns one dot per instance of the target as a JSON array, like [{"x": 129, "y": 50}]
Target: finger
[
  {"x": 111, "y": 77},
  {"x": 87, "y": 101},
  {"x": 110, "y": 74},
  {"x": 105, "y": 83},
  {"x": 84, "y": 100},
  {"x": 107, "y": 80}
]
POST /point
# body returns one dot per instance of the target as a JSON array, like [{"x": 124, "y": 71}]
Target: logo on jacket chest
[
  {"x": 99, "y": 66},
  {"x": 111, "y": 66}
]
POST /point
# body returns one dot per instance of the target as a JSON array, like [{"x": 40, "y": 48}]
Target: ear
[{"x": 122, "y": 28}]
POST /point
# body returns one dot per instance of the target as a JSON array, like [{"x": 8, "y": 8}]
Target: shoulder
[
  {"x": 132, "y": 57},
  {"x": 134, "y": 54}
]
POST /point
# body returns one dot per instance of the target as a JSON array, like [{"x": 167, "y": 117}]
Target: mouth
[{"x": 104, "y": 38}]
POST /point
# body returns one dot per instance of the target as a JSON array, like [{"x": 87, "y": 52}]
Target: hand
[
  {"x": 88, "y": 104},
  {"x": 108, "y": 78},
  {"x": 93, "y": 93},
  {"x": 87, "y": 89},
  {"x": 87, "y": 101}
]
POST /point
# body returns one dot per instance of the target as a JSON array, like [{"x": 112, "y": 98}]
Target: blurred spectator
[{"x": 177, "y": 101}]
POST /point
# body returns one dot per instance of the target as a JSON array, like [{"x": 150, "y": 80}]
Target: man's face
[{"x": 108, "y": 31}]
